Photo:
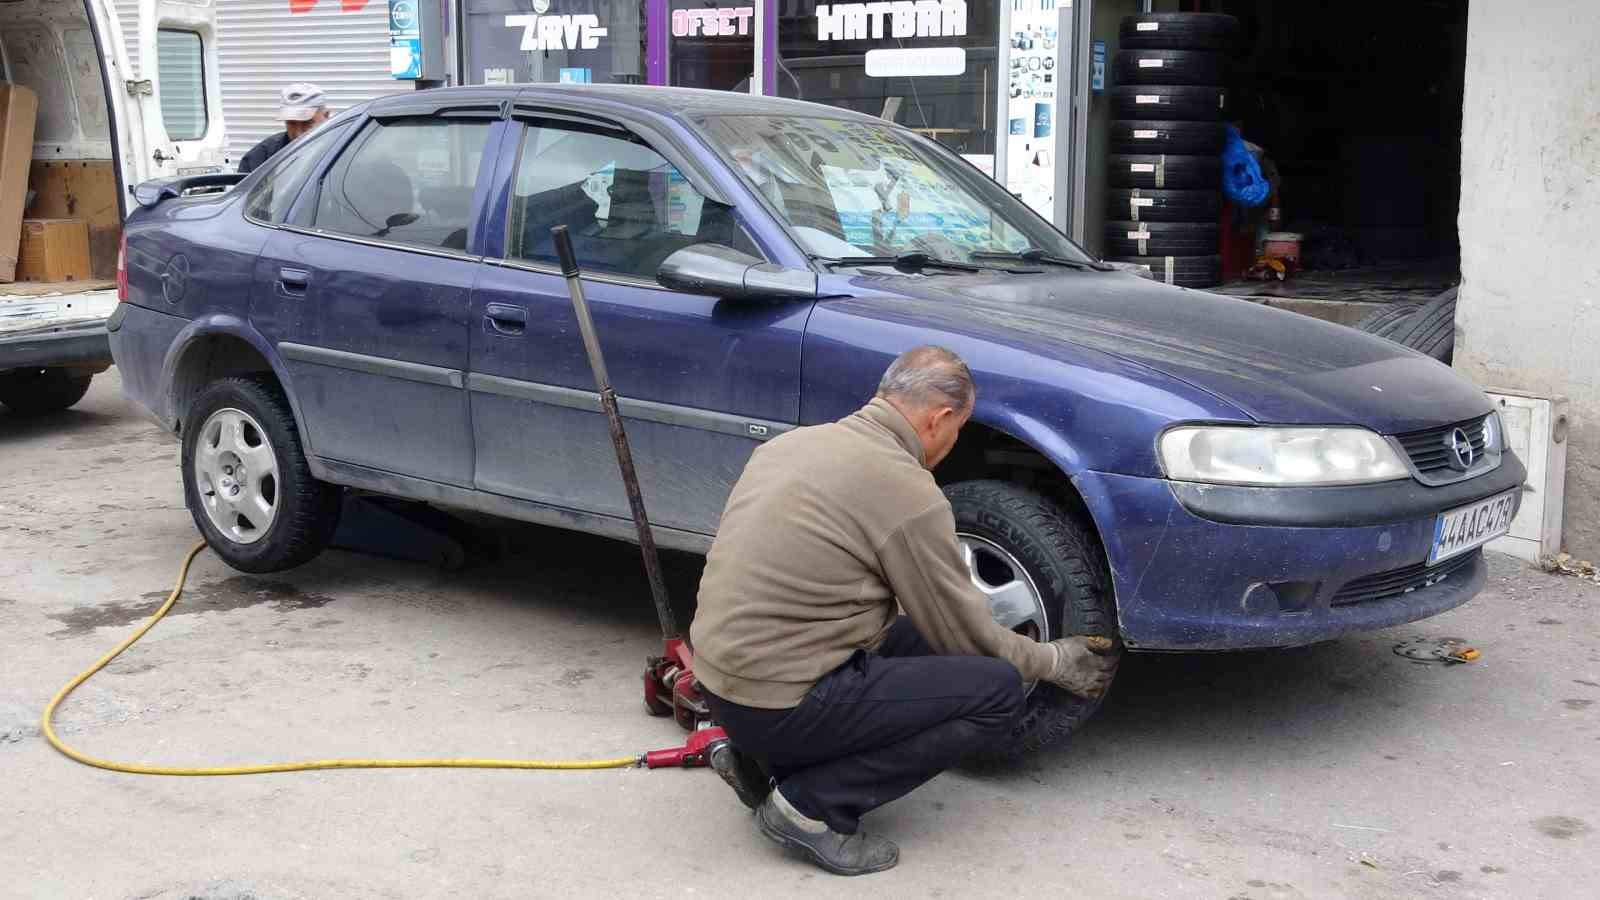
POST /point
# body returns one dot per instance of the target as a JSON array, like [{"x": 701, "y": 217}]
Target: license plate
[
  {"x": 1458, "y": 530},
  {"x": 199, "y": 170}
]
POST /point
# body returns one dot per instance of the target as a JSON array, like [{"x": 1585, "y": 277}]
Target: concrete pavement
[{"x": 1340, "y": 770}]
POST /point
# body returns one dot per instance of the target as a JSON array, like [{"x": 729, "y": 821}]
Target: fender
[{"x": 219, "y": 324}]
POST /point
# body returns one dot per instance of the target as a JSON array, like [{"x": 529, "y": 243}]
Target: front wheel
[
  {"x": 1045, "y": 576},
  {"x": 246, "y": 480}
]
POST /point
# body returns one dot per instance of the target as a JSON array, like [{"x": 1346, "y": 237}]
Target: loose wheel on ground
[
  {"x": 1152, "y": 205},
  {"x": 1431, "y": 329},
  {"x": 1383, "y": 321},
  {"x": 1132, "y": 239},
  {"x": 1170, "y": 67},
  {"x": 246, "y": 480},
  {"x": 34, "y": 391},
  {"x": 1168, "y": 102},
  {"x": 1155, "y": 170},
  {"x": 1045, "y": 576},
  {"x": 1178, "y": 31},
  {"x": 1183, "y": 271},
  {"x": 1169, "y": 137}
]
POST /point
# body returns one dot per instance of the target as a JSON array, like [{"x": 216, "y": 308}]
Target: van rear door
[{"x": 179, "y": 92}]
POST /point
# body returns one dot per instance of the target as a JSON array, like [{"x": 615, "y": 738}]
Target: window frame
[
  {"x": 526, "y": 118},
  {"x": 285, "y": 157},
  {"x": 205, "y": 102},
  {"x": 305, "y": 205}
]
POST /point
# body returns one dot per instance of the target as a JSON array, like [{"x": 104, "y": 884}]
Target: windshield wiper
[
  {"x": 913, "y": 261},
  {"x": 1040, "y": 255}
]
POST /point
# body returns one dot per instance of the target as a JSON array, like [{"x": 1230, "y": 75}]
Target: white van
[{"x": 98, "y": 132}]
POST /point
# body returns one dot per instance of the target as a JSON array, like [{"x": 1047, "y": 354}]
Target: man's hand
[{"x": 1083, "y": 664}]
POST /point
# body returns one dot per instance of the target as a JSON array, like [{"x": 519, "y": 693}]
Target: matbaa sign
[{"x": 898, "y": 18}]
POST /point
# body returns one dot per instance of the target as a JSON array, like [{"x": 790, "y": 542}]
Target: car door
[
  {"x": 366, "y": 291},
  {"x": 703, "y": 380},
  {"x": 179, "y": 91}
]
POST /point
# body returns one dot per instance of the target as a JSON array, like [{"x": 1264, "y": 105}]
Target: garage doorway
[{"x": 1357, "y": 103}]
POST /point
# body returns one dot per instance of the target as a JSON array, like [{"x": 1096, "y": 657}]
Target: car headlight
[{"x": 1223, "y": 454}]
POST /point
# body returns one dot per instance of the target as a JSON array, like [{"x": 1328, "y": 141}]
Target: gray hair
[{"x": 929, "y": 376}]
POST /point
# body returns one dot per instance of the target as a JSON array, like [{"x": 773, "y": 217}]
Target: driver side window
[{"x": 625, "y": 206}]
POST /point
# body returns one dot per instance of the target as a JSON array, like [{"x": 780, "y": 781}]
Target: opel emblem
[{"x": 1460, "y": 447}]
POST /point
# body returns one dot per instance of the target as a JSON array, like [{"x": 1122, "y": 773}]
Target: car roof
[{"x": 693, "y": 103}]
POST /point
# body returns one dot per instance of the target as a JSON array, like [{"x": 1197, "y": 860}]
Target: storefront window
[
  {"x": 713, "y": 44},
  {"x": 927, "y": 64},
  {"x": 543, "y": 41}
]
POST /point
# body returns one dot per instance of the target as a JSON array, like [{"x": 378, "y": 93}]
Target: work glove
[{"x": 1084, "y": 664}]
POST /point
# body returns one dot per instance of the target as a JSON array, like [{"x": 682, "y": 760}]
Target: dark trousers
[{"x": 878, "y": 726}]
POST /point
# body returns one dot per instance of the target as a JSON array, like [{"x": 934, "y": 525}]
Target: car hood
[{"x": 1273, "y": 365}]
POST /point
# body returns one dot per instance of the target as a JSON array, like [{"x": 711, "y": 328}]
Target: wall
[{"x": 1528, "y": 318}]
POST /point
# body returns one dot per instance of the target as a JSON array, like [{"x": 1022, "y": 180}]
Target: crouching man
[{"x": 834, "y": 703}]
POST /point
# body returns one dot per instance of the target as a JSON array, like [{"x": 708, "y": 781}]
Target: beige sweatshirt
[{"x": 827, "y": 528}]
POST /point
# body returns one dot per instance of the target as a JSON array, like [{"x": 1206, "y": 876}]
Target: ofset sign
[{"x": 721, "y": 22}]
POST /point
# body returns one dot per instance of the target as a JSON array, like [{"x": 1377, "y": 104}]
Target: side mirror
[{"x": 724, "y": 272}]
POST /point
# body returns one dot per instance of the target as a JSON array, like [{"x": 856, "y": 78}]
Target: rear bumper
[
  {"x": 81, "y": 345},
  {"x": 140, "y": 341},
  {"x": 1185, "y": 582}
]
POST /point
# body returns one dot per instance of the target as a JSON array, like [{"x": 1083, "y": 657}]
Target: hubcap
[
  {"x": 236, "y": 474},
  {"x": 1014, "y": 601}
]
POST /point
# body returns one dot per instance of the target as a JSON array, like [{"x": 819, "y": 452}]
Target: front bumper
[
  {"x": 1185, "y": 581},
  {"x": 80, "y": 345}
]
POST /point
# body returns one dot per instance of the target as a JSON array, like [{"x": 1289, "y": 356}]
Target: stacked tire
[{"x": 1167, "y": 133}]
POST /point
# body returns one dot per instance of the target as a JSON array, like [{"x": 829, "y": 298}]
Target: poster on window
[{"x": 1035, "y": 80}]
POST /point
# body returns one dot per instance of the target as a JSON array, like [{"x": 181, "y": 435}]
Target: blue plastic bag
[{"x": 1242, "y": 181}]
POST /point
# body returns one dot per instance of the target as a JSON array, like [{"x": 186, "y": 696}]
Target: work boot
[
  {"x": 740, "y": 772},
  {"x": 841, "y": 854}
]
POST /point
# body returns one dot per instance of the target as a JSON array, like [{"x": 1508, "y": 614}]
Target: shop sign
[
  {"x": 723, "y": 21},
  {"x": 899, "y": 18},
  {"x": 579, "y": 32}
]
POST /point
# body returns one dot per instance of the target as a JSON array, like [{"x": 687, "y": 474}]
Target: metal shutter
[{"x": 261, "y": 47}]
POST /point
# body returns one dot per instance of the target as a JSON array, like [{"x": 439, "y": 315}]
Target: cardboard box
[
  {"x": 53, "y": 250},
  {"x": 18, "y": 109}
]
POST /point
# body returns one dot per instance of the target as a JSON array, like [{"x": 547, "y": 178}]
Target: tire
[
  {"x": 1063, "y": 559},
  {"x": 1169, "y": 138},
  {"x": 1381, "y": 322},
  {"x": 1183, "y": 271},
  {"x": 1430, "y": 330},
  {"x": 1140, "y": 170},
  {"x": 1168, "y": 102},
  {"x": 1178, "y": 31},
  {"x": 1170, "y": 67},
  {"x": 1151, "y": 205},
  {"x": 1161, "y": 239},
  {"x": 31, "y": 392},
  {"x": 305, "y": 511}
]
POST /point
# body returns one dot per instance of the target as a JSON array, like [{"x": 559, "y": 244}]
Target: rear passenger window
[
  {"x": 625, "y": 206},
  {"x": 408, "y": 181},
  {"x": 270, "y": 198},
  {"x": 181, "y": 66}
]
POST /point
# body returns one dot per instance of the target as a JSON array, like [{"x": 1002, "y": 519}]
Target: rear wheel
[
  {"x": 247, "y": 482},
  {"x": 34, "y": 391},
  {"x": 1045, "y": 578}
]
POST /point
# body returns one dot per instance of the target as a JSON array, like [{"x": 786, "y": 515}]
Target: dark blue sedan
[{"x": 379, "y": 307}]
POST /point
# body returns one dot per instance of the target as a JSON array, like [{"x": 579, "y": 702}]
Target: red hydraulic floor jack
[{"x": 669, "y": 683}]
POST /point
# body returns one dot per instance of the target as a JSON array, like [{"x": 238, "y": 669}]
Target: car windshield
[{"x": 848, "y": 188}]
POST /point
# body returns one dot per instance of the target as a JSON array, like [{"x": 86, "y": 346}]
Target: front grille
[
  {"x": 1395, "y": 582},
  {"x": 1429, "y": 452}
]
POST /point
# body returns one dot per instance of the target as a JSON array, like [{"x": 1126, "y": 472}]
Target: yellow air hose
[{"x": 265, "y": 768}]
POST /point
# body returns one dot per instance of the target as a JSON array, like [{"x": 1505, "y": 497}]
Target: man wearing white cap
[{"x": 302, "y": 107}]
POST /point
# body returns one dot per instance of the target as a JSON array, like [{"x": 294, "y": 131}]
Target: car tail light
[{"x": 122, "y": 269}]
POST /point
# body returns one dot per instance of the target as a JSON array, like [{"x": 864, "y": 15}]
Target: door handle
[
  {"x": 293, "y": 282},
  {"x": 503, "y": 318}
]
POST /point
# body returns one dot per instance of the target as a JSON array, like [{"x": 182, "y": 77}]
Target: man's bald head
[
  {"x": 933, "y": 389},
  {"x": 928, "y": 377}
]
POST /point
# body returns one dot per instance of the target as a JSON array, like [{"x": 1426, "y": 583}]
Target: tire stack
[{"x": 1167, "y": 133}]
